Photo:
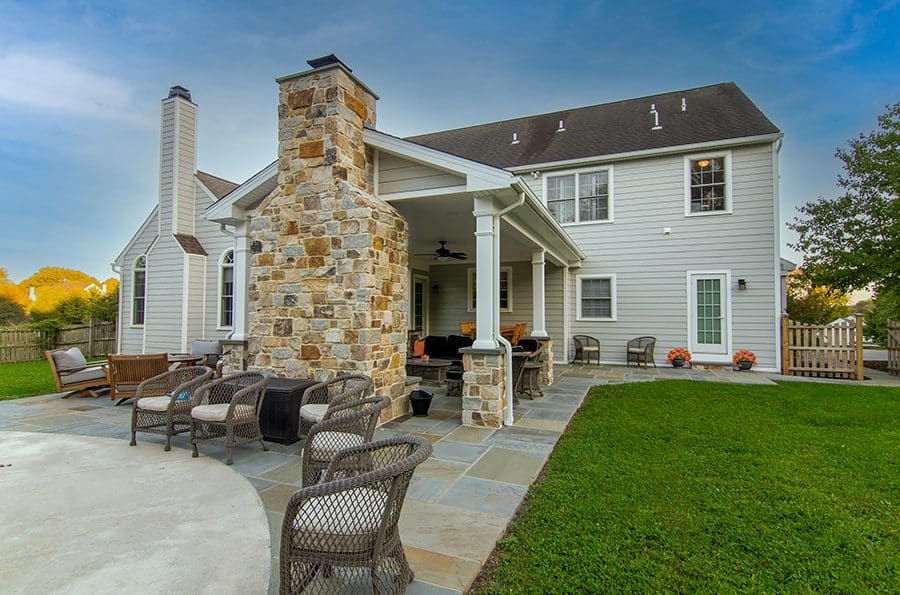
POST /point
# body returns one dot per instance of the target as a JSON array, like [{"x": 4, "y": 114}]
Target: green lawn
[
  {"x": 688, "y": 486},
  {"x": 25, "y": 380}
]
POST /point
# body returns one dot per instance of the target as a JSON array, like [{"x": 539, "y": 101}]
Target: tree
[
  {"x": 68, "y": 310},
  {"x": 853, "y": 241},
  {"x": 886, "y": 307},
  {"x": 105, "y": 307},
  {"x": 58, "y": 276},
  {"x": 11, "y": 312},
  {"x": 814, "y": 304}
]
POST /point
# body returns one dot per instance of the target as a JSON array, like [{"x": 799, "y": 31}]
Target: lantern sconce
[{"x": 742, "y": 284}]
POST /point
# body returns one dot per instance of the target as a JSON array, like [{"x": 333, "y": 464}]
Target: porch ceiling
[{"x": 449, "y": 217}]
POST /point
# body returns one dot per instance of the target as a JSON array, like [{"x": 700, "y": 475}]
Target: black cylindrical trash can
[{"x": 421, "y": 401}]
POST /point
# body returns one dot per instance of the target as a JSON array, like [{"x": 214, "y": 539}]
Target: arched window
[
  {"x": 226, "y": 289},
  {"x": 139, "y": 283}
]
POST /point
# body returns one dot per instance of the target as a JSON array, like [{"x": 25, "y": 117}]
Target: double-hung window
[
  {"x": 505, "y": 290},
  {"x": 580, "y": 197},
  {"x": 596, "y": 297},
  {"x": 707, "y": 184},
  {"x": 139, "y": 284},
  {"x": 226, "y": 290}
]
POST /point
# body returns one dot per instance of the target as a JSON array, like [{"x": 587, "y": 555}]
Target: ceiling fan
[{"x": 443, "y": 253}]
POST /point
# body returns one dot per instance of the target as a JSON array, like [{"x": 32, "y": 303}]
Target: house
[{"x": 650, "y": 216}]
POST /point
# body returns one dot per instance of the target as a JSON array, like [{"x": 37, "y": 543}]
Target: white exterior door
[
  {"x": 709, "y": 314},
  {"x": 418, "y": 319}
]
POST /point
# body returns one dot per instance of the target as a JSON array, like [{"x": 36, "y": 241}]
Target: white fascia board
[
  {"x": 231, "y": 207},
  {"x": 153, "y": 213},
  {"x": 728, "y": 142},
  {"x": 564, "y": 243},
  {"x": 479, "y": 176}
]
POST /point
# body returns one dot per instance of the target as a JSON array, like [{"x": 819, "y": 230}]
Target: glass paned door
[
  {"x": 709, "y": 316},
  {"x": 419, "y": 299}
]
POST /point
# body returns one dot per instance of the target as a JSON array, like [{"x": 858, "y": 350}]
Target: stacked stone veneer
[
  {"x": 328, "y": 277},
  {"x": 545, "y": 377},
  {"x": 484, "y": 387}
]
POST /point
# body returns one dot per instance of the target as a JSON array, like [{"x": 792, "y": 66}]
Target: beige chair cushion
[
  {"x": 636, "y": 350},
  {"x": 220, "y": 411},
  {"x": 324, "y": 445},
  {"x": 154, "y": 403},
  {"x": 313, "y": 412},
  {"x": 351, "y": 512},
  {"x": 93, "y": 373},
  {"x": 69, "y": 359},
  {"x": 590, "y": 348}
]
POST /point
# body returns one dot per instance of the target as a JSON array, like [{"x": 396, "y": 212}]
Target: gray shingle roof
[
  {"x": 713, "y": 113},
  {"x": 190, "y": 244},
  {"x": 218, "y": 186}
]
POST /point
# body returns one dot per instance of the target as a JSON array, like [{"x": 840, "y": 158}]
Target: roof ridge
[{"x": 572, "y": 109}]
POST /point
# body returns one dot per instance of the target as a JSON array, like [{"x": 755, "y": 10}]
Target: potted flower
[
  {"x": 678, "y": 356},
  {"x": 744, "y": 359}
]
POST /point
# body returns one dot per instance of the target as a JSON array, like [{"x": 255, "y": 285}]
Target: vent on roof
[
  {"x": 683, "y": 104},
  {"x": 179, "y": 91},
  {"x": 328, "y": 60},
  {"x": 515, "y": 140},
  {"x": 562, "y": 127},
  {"x": 655, "y": 114}
]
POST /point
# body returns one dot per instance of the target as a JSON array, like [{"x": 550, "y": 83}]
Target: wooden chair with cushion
[
  {"x": 126, "y": 372},
  {"x": 467, "y": 329},
  {"x": 73, "y": 375},
  {"x": 640, "y": 350},
  {"x": 585, "y": 348},
  {"x": 519, "y": 333}
]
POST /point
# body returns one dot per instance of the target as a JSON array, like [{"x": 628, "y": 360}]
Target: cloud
[{"x": 37, "y": 80}]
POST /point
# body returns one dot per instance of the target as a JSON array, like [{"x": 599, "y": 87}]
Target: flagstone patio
[{"x": 459, "y": 501}]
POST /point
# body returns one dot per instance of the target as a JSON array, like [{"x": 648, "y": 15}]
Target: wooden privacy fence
[
  {"x": 822, "y": 350},
  {"x": 25, "y": 345},
  {"x": 893, "y": 347}
]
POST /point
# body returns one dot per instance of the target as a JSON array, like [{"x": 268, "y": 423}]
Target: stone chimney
[
  {"x": 328, "y": 279},
  {"x": 177, "y": 162}
]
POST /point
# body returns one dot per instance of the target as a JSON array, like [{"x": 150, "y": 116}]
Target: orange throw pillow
[{"x": 418, "y": 348}]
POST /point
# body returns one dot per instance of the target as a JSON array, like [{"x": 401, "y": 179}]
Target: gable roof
[
  {"x": 713, "y": 113},
  {"x": 218, "y": 186},
  {"x": 190, "y": 244}
]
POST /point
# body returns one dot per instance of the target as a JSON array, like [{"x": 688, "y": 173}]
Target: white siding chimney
[{"x": 177, "y": 162}]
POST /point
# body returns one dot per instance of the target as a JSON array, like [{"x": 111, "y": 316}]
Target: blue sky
[{"x": 80, "y": 85}]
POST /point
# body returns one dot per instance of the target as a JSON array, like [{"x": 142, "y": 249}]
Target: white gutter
[
  {"x": 117, "y": 269},
  {"x": 508, "y": 417}
]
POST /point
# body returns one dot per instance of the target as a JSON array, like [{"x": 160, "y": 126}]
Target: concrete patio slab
[{"x": 93, "y": 515}]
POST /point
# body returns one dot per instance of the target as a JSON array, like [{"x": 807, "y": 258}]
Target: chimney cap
[
  {"x": 179, "y": 91},
  {"x": 328, "y": 60}
]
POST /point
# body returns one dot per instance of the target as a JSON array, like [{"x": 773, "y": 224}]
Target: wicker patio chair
[
  {"x": 345, "y": 425},
  {"x": 344, "y": 530},
  {"x": 162, "y": 404},
  {"x": 529, "y": 382},
  {"x": 126, "y": 372},
  {"x": 73, "y": 375},
  {"x": 640, "y": 349},
  {"x": 317, "y": 398},
  {"x": 585, "y": 347},
  {"x": 226, "y": 410}
]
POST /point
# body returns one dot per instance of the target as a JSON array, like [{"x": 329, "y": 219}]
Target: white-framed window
[
  {"x": 139, "y": 285},
  {"x": 226, "y": 289},
  {"x": 580, "y": 196},
  {"x": 596, "y": 297},
  {"x": 707, "y": 184},
  {"x": 506, "y": 280}
]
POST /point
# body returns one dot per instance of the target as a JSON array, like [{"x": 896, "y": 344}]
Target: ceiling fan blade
[{"x": 459, "y": 255}]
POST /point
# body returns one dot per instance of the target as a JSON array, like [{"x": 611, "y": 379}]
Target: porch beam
[
  {"x": 537, "y": 292},
  {"x": 484, "y": 272}
]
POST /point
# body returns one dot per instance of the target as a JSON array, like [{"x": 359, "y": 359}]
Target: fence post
[
  {"x": 785, "y": 345},
  {"x": 91, "y": 337},
  {"x": 860, "y": 358}
]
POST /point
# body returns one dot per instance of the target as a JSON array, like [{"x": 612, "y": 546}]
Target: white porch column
[
  {"x": 537, "y": 293},
  {"x": 484, "y": 273},
  {"x": 241, "y": 279}
]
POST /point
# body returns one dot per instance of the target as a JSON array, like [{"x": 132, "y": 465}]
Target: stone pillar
[
  {"x": 546, "y": 374},
  {"x": 328, "y": 286},
  {"x": 484, "y": 387},
  {"x": 234, "y": 356}
]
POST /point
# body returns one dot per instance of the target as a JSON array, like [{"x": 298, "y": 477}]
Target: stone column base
[
  {"x": 234, "y": 357},
  {"x": 545, "y": 378},
  {"x": 484, "y": 387}
]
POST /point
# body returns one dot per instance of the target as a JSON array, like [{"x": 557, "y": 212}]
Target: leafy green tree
[
  {"x": 853, "y": 241},
  {"x": 11, "y": 312},
  {"x": 105, "y": 307},
  {"x": 814, "y": 304},
  {"x": 886, "y": 307},
  {"x": 71, "y": 310}
]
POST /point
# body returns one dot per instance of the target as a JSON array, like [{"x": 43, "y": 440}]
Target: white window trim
[
  {"x": 219, "y": 325},
  {"x": 426, "y": 288},
  {"x": 613, "y": 310},
  {"x": 610, "y": 178},
  {"x": 470, "y": 274},
  {"x": 134, "y": 269},
  {"x": 691, "y": 304},
  {"x": 726, "y": 155}
]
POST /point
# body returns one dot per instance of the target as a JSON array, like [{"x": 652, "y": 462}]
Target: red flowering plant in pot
[
  {"x": 744, "y": 359},
  {"x": 678, "y": 356}
]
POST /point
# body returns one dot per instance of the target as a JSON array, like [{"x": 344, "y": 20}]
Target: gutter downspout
[
  {"x": 118, "y": 271},
  {"x": 507, "y": 346}
]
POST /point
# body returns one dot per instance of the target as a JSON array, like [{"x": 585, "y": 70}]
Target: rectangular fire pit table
[{"x": 434, "y": 369}]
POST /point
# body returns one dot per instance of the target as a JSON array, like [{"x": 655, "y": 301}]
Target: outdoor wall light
[
  {"x": 742, "y": 284},
  {"x": 435, "y": 289}
]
